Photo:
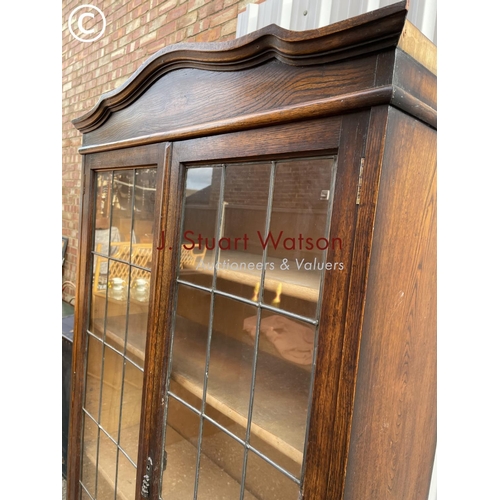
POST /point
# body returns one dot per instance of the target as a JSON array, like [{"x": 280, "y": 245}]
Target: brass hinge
[
  {"x": 146, "y": 479},
  {"x": 360, "y": 180}
]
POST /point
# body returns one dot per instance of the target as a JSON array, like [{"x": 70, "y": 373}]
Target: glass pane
[
  {"x": 125, "y": 484},
  {"x": 281, "y": 397},
  {"x": 111, "y": 392},
  {"x": 298, "y": 233},
  {"x": 221, "y": 465},
  {"x": 102, "y": 213},
  {"x": 84, "y": 495},
  {"x": 98, "y": 297},
  {"x": 231, "y": 362},
  {"x": 131, "y": 411},
  {"x": 201, "y": 203},
  {"x": 106, "y": 468},
  {"x": 117, "y": 304},
  {"x": 138, "y": 315},
  {"x": 181, "y": 443},
  {"x": 190, "y": 344},
  {"x": 121, "y": 214},
  {"x": 89, "y": 454},
  {"x": 299, "y": 215},
  {"x": 144, "y": 206},
  {"x": 122, "y": 260},
  {"x": 266, "y": 482},
  {"x": 243, "y": 219},
  {"x": 93, "y": 379}
]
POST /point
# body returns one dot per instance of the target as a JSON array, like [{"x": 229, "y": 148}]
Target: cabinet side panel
[{"x": 393, "y": 434}]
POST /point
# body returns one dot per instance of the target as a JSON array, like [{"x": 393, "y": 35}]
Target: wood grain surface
[
  {"x": 394, "y": 426},
  {"x": 371, "y": 32}
]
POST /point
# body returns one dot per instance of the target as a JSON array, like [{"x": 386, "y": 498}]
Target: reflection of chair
[
  {"x": 190, "y": 259},
  {"x": 141, "y": 256}
]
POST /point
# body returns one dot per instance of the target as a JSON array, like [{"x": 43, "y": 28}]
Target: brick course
[{"x": 134, "y": 31}]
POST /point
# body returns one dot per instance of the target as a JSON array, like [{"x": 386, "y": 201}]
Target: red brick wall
[{"x": 135, "y": 30}]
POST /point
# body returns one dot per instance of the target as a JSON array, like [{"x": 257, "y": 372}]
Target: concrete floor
[{"x": 64, "y": 489}]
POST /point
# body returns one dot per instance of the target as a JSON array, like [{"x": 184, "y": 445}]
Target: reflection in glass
[
  {"x": 231, "y": 362},
  {"x": 111, "y": 392},
  {"x": 84, "y": 495},
  {"x": 125, "y": 483},
  {"x": 267, "y": 482},
  {"x": 190, "y": 344},
  {"x": 181, "y": 446},
  {"x": 117, "y": 304},
  {"x": 102, "y": 213},
  {"x": 122, "y": 258},
  {"x": 221, "y": 465},
  {"x": 298, "y": 233},
  {"x": 201, "y": 204},
  {"x": 131, "y": 411},
  {"x": 121, "y": 214},
  {"x": 243, "y": 218},
  {"x": 282, "y": 382},
  {"x": 97, "y": 299},
  {"x": 107, "y": 468},
  {"x": 93, "y": 377},
  {"x": 89, "y": 455},
  {"x": 138, "y": 315},
  {"x": 251, "y": 386},
  {"x": 145, "y": 192}
]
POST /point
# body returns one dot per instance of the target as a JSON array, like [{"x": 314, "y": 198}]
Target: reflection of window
[{"x": 198, "y": 180}]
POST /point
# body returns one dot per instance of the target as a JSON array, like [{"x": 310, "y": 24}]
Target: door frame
[{"x": 157, "y": 156}]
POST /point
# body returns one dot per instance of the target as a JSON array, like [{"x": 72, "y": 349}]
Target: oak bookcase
[{"x": 256, "y": 310}]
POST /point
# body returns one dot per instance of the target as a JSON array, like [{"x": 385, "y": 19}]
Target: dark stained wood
[
  {"x": 406, "y": 102},
  {"x": 415, "y": 79},
  {"x": 84, "y": 276},
  {"x": 186, "y": 97},
  {"x": 296, "y": 138},
  {"x": 333, "y": 310},
  {"x": 359, "y": 35},
  {"x": 394, "y": 425},
  {"x": 148, "y": 442},
  {"x": 162, "y": 316},
  {"x": 384, "y": 74},
  {"x": 364, "y": 222},
  {"x": 140, "y": 156},
  {"x": 323, "y": 107},
  {"x": 415, "y": 89}
]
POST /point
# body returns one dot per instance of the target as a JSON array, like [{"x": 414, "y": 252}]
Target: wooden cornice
[{"x": 370, "y": 32}]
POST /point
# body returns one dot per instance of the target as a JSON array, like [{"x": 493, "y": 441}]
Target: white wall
[{"x": 301, "y": 15}]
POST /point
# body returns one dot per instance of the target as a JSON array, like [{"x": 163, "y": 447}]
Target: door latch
[{"x": 146, "y": 479}]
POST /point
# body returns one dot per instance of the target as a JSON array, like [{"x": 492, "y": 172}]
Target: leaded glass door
[
  {"x": 121, "y": 207},
  {"x": 249, "y": 261},
  {"x": 201, "y": 317}
]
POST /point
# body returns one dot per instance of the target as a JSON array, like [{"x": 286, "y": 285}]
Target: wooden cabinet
[{"x": 256, "y": 313}]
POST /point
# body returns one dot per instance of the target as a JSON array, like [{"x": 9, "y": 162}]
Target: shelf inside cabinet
[
  {"x": 107, "y": 465},
  {"x": 279, "y": 420},
  {"x": 182, "y": 454}
]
